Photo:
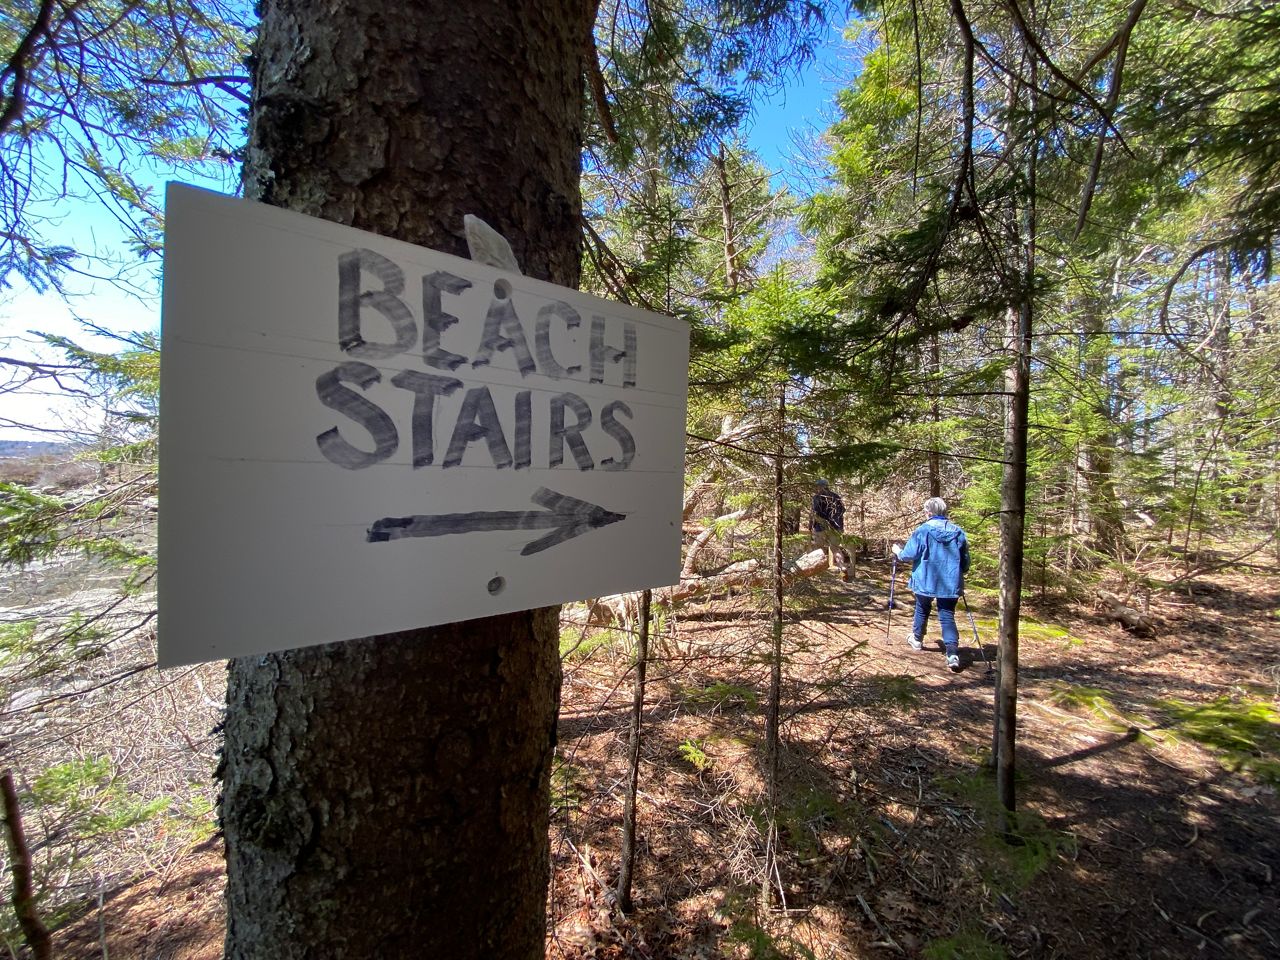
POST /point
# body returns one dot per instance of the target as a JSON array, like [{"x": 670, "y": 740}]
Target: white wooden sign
[{"x": 359, "y": 436}]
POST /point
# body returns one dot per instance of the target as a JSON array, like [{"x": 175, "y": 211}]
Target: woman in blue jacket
[{"x": 939, "y": 555}]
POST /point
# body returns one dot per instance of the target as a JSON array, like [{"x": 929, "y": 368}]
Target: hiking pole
[
  {"x": 893, "y": 583},
  {"x": 974, "y": 626}
]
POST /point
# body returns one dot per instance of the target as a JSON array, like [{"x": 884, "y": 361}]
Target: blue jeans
[{"x": 946, "y": 620}]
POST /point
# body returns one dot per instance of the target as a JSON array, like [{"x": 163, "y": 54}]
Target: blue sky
[
  {"x": 132, "y": 305},
  {"x": 802, "y": 109},
  {"x": 798, "y": 111}
]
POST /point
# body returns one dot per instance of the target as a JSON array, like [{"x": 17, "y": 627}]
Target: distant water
[{"x": 22, "y": 449}]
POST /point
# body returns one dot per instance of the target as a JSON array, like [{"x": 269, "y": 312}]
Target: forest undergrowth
[{"x": 1148, "y": 778}]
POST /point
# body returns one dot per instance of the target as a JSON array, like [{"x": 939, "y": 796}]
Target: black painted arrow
[{"x": 567, "y": 516}]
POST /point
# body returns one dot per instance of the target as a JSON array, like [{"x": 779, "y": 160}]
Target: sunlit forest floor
[{"x": 1148, "y": 771}]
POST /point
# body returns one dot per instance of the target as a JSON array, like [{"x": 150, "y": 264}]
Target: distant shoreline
[{"x": 22, "y": 449}]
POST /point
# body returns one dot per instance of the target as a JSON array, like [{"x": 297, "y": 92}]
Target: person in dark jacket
[
  {"x": 827, "y": 525},
  {"x": 939, "y": 555}
]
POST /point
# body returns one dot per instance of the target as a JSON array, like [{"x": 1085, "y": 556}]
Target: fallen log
[
  {"x": 1132, "y": 619},
  {"x": 704, "y": 537},
  {"x": 622, "y": 608}
]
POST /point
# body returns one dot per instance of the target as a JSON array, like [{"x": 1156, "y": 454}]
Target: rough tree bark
[
  {"x": 1013, "y": 482},
  {"x": 388, "y": 797},
  {"x": 1013, "y": 506},
  {"x": 1132, "y": 619}
]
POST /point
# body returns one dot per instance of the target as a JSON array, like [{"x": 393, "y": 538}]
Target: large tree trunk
[
  {"x": 388, "y": 797},
  {"x": 1013, "y": 507},
  {"x": 1013, "y": 483}
]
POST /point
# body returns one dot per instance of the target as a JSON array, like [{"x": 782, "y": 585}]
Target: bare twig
[
  {"x": 887, "y": 937},
  {"x": 1214, "y": 567}
]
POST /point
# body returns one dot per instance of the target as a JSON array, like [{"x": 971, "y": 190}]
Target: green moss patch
[
  {"x": 894, "y": 690},
  {"x": 1243, "y": 733},
  {"x": 968, "y": 943},
  {"x": 1096, "y": 702}
]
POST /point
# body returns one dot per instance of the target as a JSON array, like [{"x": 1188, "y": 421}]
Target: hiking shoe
[
  {"x": 914, "y": 642},
  {"x": 953, "y": 661}
]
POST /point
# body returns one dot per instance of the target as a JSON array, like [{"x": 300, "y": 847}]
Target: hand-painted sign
[{"x": 358, "y": 435}]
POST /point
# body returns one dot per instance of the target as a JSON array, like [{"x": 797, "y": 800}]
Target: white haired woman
[{"x": 939, "y": 554}]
